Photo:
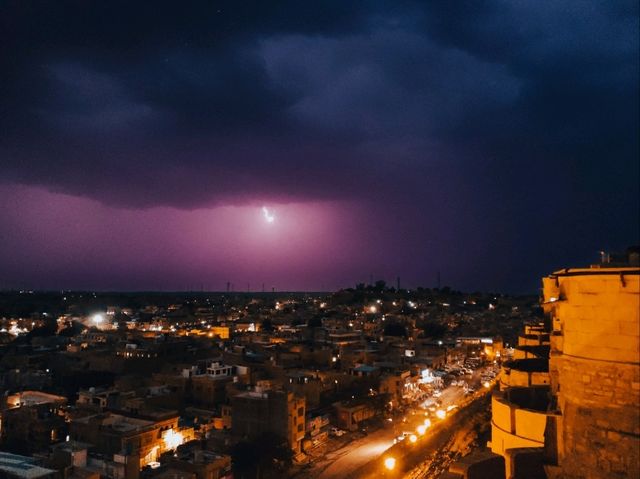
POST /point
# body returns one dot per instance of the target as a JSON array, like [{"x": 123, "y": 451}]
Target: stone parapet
[
  {"x": 517, "y": 423},
  {"x": 592, "y": 307},
  {"x": 525, "y": 373}
]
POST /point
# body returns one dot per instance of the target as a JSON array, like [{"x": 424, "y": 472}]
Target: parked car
[{"x": 334, "y": 431}]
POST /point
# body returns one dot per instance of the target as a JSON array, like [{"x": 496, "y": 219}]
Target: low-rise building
[
  {"x": 280, "y": 412},
  {"x": 568, "y": 405},
  {"x": 14, "y": 466},
  {"x": 201, "y": 463},
  {"x": 32, "y": 420},
  {"x": 130, "y": 440}
]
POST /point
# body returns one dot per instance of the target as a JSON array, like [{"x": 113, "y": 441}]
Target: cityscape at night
[{"x": 323, "y": 239}]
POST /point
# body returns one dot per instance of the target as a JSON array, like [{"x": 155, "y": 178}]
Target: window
[
  {"x": 300, "y": 411},
  {"x": 299, "y": 427}
]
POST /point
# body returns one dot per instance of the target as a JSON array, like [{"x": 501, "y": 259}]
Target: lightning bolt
[{"x": 270, "y": 217}]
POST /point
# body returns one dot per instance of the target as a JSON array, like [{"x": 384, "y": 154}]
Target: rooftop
[
  {"x": 34, "y": 398},
  {"x": 598, "y": 269},
  {"x": 21, "y": 466},
  {"x": 117, "y": 422}
]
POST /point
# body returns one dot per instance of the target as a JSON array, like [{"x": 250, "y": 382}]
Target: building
[
  {"x": 221, "y": 332},
  {"x": 569, "y": 401},
  {"x": 594, "y": 429},
  {"x": 317, "y": 427},
  {"x": 266, "y": 410},
  {"x": 350, "y": 414},
  {"x": 202, "y": 464},
  {"x": 13, "y": 466},
  {"x": 101, "y": 398},
  {"x": 32, "y": 421},
  {"x": 132, "y": 441}
]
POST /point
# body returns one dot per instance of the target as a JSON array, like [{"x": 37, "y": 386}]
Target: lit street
[{"x": 357, "y": 454}]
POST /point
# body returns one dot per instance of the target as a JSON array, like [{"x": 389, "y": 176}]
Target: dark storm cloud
[
  {"x": 505, "y": 122},
  {"x": 229, "y": 100}
]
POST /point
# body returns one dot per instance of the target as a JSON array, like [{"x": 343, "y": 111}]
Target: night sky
[{"x": 491, "y": 141}]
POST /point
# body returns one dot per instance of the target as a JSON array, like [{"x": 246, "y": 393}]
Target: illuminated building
[
  {"x": 132, "y": 442},
  {"x": 221, "y": 332},
  {"x": 594, "y": 427}
]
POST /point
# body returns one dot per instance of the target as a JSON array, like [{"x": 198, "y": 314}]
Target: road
[{"x": 358, "y": 452}]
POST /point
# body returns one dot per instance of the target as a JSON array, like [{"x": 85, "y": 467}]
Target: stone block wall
[{"x": 595, "y": 372}]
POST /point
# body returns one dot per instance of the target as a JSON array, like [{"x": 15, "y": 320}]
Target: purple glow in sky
[{"x": 73, "y": 242}]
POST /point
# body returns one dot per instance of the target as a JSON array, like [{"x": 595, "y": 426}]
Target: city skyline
[{"x": 313, "y": 147}]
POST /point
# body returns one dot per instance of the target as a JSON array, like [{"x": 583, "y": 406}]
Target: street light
[
  {"x": 422, "y": 429},
  {"x": 390, "y": 463},
  {"x": 427, "y": 423},
  {"x": 413, "y": 438},
  {"x": 441, "y": 414}
]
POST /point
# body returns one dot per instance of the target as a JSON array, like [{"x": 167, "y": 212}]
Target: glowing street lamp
[
  {"x": 427, "y": 423},
  {"x": 441, "y": 414},
  {"x": 97, "y": 319},
  {"x": 413, "y": 438},
  {"x": 390, "y": 463},
  {"x": 422, "y": 429}
]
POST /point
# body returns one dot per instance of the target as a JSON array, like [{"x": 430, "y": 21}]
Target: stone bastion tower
[{"x": 593, "y": 420}]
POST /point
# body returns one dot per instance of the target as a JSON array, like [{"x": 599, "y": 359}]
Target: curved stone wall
[
  {"x": 513, "y": 425},
  {"x": 595, "y": 371},
  {"x": 525, "y": 373}
]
